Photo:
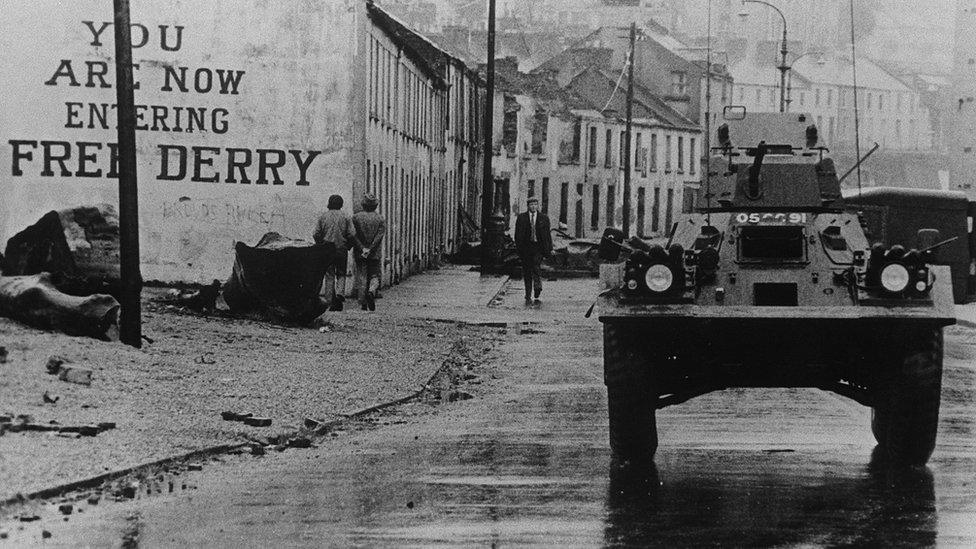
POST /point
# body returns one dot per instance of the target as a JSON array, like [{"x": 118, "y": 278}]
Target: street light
[
  {"x": 789, "y": 83},
  {"x": 783, "y": 67}
]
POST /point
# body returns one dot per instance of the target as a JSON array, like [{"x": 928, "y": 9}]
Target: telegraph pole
[
  {"x": 130, "y": 320},
  {"x": 630, "y": 127},
  {"x": 487, "y": 184}
]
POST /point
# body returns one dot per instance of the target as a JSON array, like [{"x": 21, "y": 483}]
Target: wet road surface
[{"x": 527, "y": 462}]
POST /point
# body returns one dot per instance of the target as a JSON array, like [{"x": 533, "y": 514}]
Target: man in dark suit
[{"x": 533, "y": 241}]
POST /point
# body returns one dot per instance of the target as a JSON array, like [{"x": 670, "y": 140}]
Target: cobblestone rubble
[{"x": 166, "y": 398}]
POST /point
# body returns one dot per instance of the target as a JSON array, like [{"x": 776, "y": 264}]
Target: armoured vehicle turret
[{"x": 774, "y": 283}]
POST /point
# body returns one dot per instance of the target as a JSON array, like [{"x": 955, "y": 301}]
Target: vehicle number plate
[{"x": 756, "y": 217}]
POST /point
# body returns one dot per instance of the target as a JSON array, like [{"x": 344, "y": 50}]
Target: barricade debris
[
  {"x": 279, "y": 277},
  {"x": 34, "y": 300},
  {"x": 79, "y": 246}
]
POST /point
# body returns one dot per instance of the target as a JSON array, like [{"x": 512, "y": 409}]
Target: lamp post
[
  {"x": 783, "y": 67},
  {"x": 489, "y": 230},
  {"x": 789, "y": 81}
]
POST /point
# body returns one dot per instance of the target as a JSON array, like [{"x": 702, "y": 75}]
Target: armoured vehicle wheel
[
  {"x": 630, "y": 395},
  {"x": 906, "y": 416}
]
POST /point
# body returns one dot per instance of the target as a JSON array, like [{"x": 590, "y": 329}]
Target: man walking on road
[
  {"x": 369, "y": 228},
  {"x": 335, "y": 226},
  {"x": 533, "y": 241}
]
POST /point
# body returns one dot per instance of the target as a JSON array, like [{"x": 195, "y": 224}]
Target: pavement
[
  {"x": 166, "y": 399},
  {"x": 966, "y": 314}
]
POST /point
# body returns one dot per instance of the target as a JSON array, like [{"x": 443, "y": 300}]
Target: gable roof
[{"x": 646, "y": 103}]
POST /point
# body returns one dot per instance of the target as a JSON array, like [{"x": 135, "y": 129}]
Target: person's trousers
[
  {"x": 334, "y": 281},
  {"x": 532, "y": 273},
  {"x": 367, "y": 276}
]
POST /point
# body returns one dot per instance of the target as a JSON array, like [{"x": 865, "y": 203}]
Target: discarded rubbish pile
[
  {"x": 279, "y": 277},
  {"x": 35, "y": 301},
  {"x": 577, "y": 255},
  {"x": 78, "y": 246}
]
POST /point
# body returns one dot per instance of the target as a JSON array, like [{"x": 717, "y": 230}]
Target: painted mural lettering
[
  {"x": 201, "y": 164},
  {"x": 198, "y": 164},
  {"x": 194, "y": 163},
  {"x": 140, "y": 35},
  {"x": 156, "y": 118}
]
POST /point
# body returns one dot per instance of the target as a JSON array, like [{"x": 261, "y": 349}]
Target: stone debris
[
  {"x": 129, "y": 490},
  {"x": 54, "y": 364},
  {"x": 312, "y": 424},
  {"x": 258, "y": 421},
  {"x": 93, "y": 499},
  {"x": 300, "y": 442},
  {"x": 66, "y": 508},
  {"x": 28, "y": 518},
  {"x": 234, "y": 416},
  {"x": 455, "y": 396},
  {"x": 194, "y": 467},
  {"x": 45, "y": 534},
  {"x": 81, "y": 376},
  {"x": 257, "y": 450},
  {"x": 3, "y": 354},
  {"x": 50, "y": 399}
]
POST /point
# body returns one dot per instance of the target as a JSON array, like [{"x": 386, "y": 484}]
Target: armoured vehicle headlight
[
  {"x": 895, "y": 277},
  {"x": 659, "y": 278}
]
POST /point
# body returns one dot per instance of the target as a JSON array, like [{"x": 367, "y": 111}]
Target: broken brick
[
  {"x": 257, "y": 450},
  {"x": 300, "y": 442},
  {"x": 258, "y": 421},
  {"x": 194, "y": 467},
  {"x": 81, "y": 376},
  {"x": 54, "y": 364},
  {"x": 66, "y": 508},
  {"x": 93, "y": 499},
  {"x": 234, "y": 416}
]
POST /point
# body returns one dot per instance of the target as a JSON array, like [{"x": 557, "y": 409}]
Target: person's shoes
[
  {"x": 365, "y": 308},
  {"x": 370, "y": 301},
  {"x": 336, "y": 305},
  {"x": 537, "y": 301},
  {"x": 528, "y": 300}
]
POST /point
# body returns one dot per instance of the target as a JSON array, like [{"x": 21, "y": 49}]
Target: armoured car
[{"x": 774, "y": 283}]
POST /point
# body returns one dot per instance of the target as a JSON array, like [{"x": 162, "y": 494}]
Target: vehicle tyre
[
  {"x": 905, "y": 418},
  {"x": 630, "y": 396}
]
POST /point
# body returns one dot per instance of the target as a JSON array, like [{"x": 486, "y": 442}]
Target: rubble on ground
[
  {"x": 279, "y": 277},
  {"x": 34, "y": 300},
  {"x": 79, "y": 246}
]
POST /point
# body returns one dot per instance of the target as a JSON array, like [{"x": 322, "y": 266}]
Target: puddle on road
[{"x": 500, "y": 485}]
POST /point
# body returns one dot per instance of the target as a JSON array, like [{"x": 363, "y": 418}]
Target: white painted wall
[{"x": 296, "y": 92}]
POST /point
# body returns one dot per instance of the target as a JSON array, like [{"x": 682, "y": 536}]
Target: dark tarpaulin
[{"x": 279, "y": 277}]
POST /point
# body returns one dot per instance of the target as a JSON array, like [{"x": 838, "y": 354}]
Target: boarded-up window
[
  {"x": 595, "y": 208},
  {"x": 545, "y": 195},
  {"x": 564, "y": 203},
  {"x": 540, "y": 129},
  {"x": 611, "y": 204},
  {"x": 510, "y": 125},
  {"x": 641, "y": 206},
  {"x": 656, "y": 211}
]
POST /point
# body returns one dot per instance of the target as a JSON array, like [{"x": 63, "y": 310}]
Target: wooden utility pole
[
  {"x": 130, "y": 320},
  {"x": 487, "y": 185},
  {"x": 630, "y": 127}
]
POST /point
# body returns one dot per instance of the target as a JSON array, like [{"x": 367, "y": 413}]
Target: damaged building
[
  {"x": 564, "y": 145},
  {"x": 249, "y": 116}
]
